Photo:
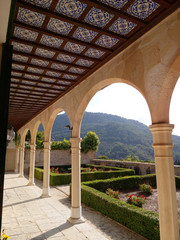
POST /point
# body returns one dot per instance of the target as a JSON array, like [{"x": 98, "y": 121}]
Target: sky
[{"x": 125, "y": 101}]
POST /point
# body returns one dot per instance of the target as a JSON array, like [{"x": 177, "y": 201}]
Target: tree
[
  {"x": 40, "y": 139},
  {"x": 90, "y": 142}
]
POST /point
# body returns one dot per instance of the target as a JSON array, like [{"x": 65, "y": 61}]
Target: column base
[
  {"x": 45, "y": 196},
  {"x": 20, "y": 175},
  {"x": 76, "y": 220},
  {"x": 45, "y": 193},
  {"x": 30, "y": 184}
]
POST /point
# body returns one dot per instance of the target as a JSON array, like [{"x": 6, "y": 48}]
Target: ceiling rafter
[
  {"x": 44, "y": 68},
  {"x": 49, "y": 59},
  {"x": 17, "y": 99},
  {"x": 38, "y": 45},
  {"x": 44, "y": 82},
  {"x": 69, "y": 20},
  {"x": 43, "y": 87},
  {"x": 60, "y": 36},
  {"x": 37, "y": 90},
  {"x": 41, "y": 75},
  {"x": 115, "y": 12},
  {"x": 30, "y": 93}
]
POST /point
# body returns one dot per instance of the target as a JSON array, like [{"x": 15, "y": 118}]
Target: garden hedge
[
  {"x": 144, "y": 222},
  {"x": 61, "y": 179},
  {"x": 38, "y": 173},
  {"x": 141, "y": 221},
  {"x": 123, "y": 183}
]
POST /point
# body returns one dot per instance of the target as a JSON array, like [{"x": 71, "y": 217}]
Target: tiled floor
[{"x": 27, "y": 216}]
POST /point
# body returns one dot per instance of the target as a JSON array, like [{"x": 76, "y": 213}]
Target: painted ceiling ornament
[
  {"x": 39, "y": 62},
  {"x": 19, "y": 58},
  {"x": 17, "y": 67},
  {"x": 106, "y": 41},
  {"x": 65, "y": 58},
  {"x": 71, "y": 77},
  {"x": 22, "y": 47},
  {"x": 53, "y": 74},
  {"x": 83, "y": 62},
  {"x": 58, "y": 66},
  {"x": 76, "y": 70},
  {"x": 58, "y": 26},
  {"x": 30, "y": 17},
  {"x": 74, "y": 47},
  {"x": 115, "y": 3},
  {"x": 40, "y": 3},
  {"x": 122, "y": 26},
  {"x": 70, "y": 8},
  {"x": 44, "y": 53},
  {"x": 51, "y": 41},
  {"x": 91, "y": 52},
  {"x": 84, "y": 34},
  {"x": 98, "y": 17},
  {"x": 142, "y": 8},
  {"x": 23, "y": 33},
  {"x": 35, "y": 70}
]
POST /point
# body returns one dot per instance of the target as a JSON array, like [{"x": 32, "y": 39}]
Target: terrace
[{"x": 63, "y": 54}]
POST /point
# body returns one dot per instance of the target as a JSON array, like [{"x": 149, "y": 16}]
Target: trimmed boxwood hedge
[
  {"x": 38, "y": 173},
  {"x": 127, "y": 182},
  {"x": 61, "y": 179},
  {"x": 142, "y": 221}
]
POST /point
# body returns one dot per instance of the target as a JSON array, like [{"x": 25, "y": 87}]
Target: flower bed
[
  {"x": 58, "y": 178},
  {"x": 140, "y": 220}
]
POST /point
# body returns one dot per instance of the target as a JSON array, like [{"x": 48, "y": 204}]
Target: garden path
[{"x": 27, "y": 216}]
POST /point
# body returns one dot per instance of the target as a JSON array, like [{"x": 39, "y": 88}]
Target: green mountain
[{"x": 119, "y": 137}]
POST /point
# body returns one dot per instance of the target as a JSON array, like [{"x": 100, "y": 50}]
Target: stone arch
[
  {"x": 49, "y": 125},
  {"x": 23, "y": 136},
  {"x": 34, "y": 131},
  {"x": 88, "y": 95},
  {"x": 160, "y": 103}
]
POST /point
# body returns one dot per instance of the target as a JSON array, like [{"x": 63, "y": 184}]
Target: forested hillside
[{"x": 119, "y": 137}]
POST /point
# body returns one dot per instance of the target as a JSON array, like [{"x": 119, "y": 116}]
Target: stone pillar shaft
[
  {"x": 162, "y": 143},
  {"x": 46, "y": 174},
  {"x": 32, "y": 164},
  {"x": 76, "y": 211},
  {"x": 21, "y": 164},
  {"x": 17, "y": 160}
]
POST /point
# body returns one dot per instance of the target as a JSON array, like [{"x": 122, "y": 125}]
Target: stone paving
[{"x": 28, "y": 216}]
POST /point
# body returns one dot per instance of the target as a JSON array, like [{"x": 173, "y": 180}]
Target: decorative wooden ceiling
[{"x": 59, "y": 43}]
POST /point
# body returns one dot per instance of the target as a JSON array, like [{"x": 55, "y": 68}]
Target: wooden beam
[{"x": 70, "y": 20}]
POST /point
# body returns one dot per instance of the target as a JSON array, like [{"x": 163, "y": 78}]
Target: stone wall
[
  {"x": 58, "y": 157},
  {"x": 141, "y": 168}
]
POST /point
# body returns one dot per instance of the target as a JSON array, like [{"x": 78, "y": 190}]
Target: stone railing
[{"x": 141, "y": 168}]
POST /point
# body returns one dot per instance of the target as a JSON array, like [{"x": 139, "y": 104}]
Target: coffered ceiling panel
[{"x": 59, "y": 43}]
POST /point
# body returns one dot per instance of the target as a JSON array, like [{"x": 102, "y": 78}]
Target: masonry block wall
[
  {"x": 141, "y": 168},
  {"x": 58, "y": 157}
]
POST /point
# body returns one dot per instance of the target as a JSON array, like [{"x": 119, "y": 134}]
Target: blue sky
[{"x": 125, "y": 101}]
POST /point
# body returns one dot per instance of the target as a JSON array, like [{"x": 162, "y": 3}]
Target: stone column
[
  {"x": 21, "y": 164},
  {"x": 17, "y": 160},
  {"x": 46, "y": 174},
  {"x": 168, "y": 218},
  {"x": 32, "y": 164},
  {"x": 76, "y": 211}
]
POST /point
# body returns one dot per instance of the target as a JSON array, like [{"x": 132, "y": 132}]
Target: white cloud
[{"x": 122, "y": 100}]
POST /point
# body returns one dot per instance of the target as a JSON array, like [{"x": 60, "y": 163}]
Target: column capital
[
  {"x": 162, "y": 134},
  {"x": 33, "y": 146},
  {"x": 161, "y": 127},
  {"x": 47, "y": 145},
  {"x": 22, "y": 148},
  {"x": 75, "y": 142}
]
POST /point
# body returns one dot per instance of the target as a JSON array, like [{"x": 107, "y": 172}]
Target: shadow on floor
[{"x": 53, "y": 231}]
